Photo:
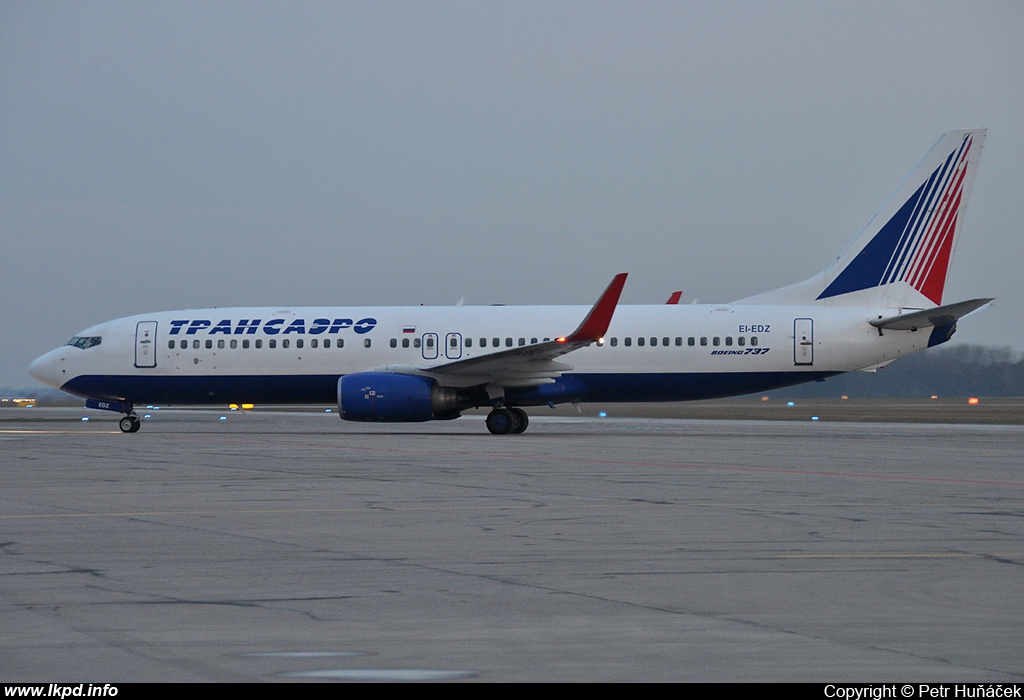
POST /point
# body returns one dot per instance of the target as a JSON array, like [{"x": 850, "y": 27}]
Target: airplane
[{"x": 879, "y": 300}]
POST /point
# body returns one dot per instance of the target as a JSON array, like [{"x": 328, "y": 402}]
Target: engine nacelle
[{"x": 394, "y": 398}]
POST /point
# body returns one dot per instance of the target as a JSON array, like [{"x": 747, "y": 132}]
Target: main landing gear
[
  {"x": 130, "y": 424},
  {"x": 505, "y": 421}
]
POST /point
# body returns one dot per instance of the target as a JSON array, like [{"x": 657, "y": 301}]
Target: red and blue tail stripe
[{"x": 915, "y": 245}]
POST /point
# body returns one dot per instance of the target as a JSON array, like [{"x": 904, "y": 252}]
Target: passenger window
[
  {"x": 195, "y": 344},
  {"x": 453, "y": 342},
  {"x": 286, "y": 343},
  {"x": 522, "y": 342},
  {"x": 313, "y": 343},
  {"x": 691, "y": 341},
  {"x": 245, "y": 344},
  {"x": 728, "y": 340},
  {"x": 716, "y": 341},
  {"x": 234, "y": 344},
  {"x": 496, "y": 342},
  {"x": 654, "y": 342},
  {"x": 416, "y": 342},
  {"x": 469, "y": 342},
  {"x": 209, "y": 344},
  {"x": 405, "y": 342},
  {"x": 533, "y": 341},
  {"x": 703, "y": 340},
  {"x": 298, "y": 343},
  {"x": 220, "y": 344},
  {"x": 679, "y": 341},
  {"x": 753, "y": 340},
  {"x": 272, "y": 344},
  {"x": 615, "y": 342},
  {"x": 259, "y": 343},
  {"x": 430, "y": 342},
  {"x": 640, "y": 341},
  {"x": 366, "y": 343},
  {"x": 741, "y": 341},
  {"x": 170, "y": 344},
  {"x": 394, "y": 342},
  {"x": 627, "y": 341},
  {"x": 508, "y": 342}
]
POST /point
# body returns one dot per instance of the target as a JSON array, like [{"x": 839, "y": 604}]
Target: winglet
[
  {"x": 596, "y": 323},
  {"x": 674, "y": 298}
]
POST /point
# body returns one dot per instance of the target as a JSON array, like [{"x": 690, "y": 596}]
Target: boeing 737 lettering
[{"x": 879, "y": 300}]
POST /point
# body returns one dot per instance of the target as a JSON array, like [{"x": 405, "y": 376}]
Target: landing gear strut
[
  {"x": 505, "y": 421},
  {"x": 130, "y": 424}
]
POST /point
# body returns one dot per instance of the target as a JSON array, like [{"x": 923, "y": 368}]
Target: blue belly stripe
[{"x": 322, "y": 388}]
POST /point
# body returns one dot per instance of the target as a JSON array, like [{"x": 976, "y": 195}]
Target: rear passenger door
[{"x": 803, "y": 341}]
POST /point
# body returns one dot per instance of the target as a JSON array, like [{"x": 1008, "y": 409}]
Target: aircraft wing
[
  {"x": 527, "y": 365},
  {"x": 939, "y": 316}
]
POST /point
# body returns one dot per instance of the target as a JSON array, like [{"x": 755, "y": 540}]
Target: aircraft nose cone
[{"x": 44, "y": 369}]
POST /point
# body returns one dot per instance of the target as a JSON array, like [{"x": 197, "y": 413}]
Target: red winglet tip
[{"x": 600, "y": 316}]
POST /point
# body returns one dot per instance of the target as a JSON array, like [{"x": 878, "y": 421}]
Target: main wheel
[
  {"x": 136, "y": 423},
  {"x": 128, "y": 425},
  {"x": 521, "y": 422},
  {"x": 500, "y": 421}
]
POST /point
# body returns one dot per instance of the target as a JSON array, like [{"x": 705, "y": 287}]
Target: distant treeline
[{"x": 956, "y": 371}]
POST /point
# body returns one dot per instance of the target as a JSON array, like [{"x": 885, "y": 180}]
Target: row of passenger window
[
  {"x": 691, "y": 341},
  {"x": 453, "y": 340},
  {"x": 496, "y": 342},
  {"x": 614, "y": 342}
]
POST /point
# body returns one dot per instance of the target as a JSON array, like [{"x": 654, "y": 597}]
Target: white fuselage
[{"x": 279, "y": 355}]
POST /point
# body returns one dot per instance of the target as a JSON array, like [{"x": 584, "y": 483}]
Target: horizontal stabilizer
[{"x": 938, "y": 317}]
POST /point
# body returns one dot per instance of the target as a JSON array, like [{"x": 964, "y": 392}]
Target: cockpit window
[{"x": 85, "y": 342}]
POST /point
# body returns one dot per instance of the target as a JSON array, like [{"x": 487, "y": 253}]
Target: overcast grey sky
[{"x": 170, "y": 155}]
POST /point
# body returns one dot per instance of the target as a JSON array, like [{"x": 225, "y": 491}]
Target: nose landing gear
[{"x": 130, "y": 423}]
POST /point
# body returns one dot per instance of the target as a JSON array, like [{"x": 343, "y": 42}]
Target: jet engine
[{"x": 396, "y": 398}]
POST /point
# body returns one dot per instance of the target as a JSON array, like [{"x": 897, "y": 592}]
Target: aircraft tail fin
[{"x": 901, "y": 258}]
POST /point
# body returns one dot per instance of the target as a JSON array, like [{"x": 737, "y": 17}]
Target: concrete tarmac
[{"x": 276, "y": 546}]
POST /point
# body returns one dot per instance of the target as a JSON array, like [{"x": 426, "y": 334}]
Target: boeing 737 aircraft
[{"x": 879, "y": 300}]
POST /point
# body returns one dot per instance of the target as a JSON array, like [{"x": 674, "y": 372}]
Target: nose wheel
[
  {"x": 130, "y": 424},
  {"x": 506, "y": 421}
]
